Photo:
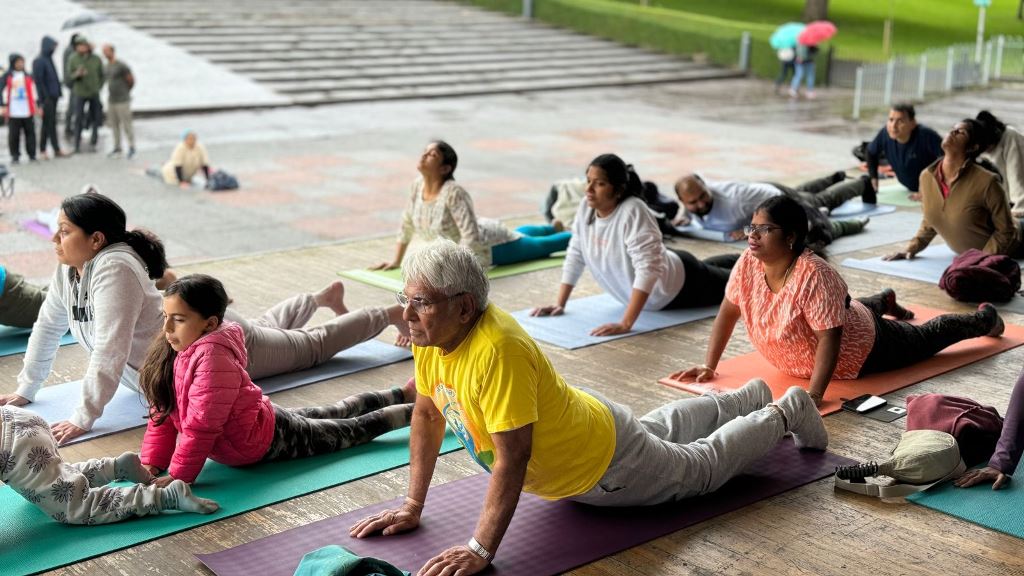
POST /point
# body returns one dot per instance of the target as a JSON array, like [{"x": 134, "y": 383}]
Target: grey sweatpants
[
  {"x": 69, "y": 493},
  {"x": 119, "y": 115},
  {"x": 279, "y": 343},
  {"x": 685, "y": 448}
]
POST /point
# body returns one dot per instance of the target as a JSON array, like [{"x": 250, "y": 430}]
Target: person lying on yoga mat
[
  {"x": 801, "y": 319},
  {"x": 439, "y": 207},
  {"x": 478, "y": 371},
  {"x": 203, "y": 403},
  {"x": 1005, "y": 459},
  {"x": 615, "y": 236},
  {"x": 103, "y": 291},
  {"x": 78, "y": 493},
  {"x": 962, "y": 201},
  {"x": 729, "y": 206}
]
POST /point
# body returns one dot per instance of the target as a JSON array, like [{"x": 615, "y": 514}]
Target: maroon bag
[
  {"x": 975, "y": 276},
  {"x": 975, "y": 427}
]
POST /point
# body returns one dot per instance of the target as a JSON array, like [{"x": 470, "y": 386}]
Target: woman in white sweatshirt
[{"x": 615, "y": 235}]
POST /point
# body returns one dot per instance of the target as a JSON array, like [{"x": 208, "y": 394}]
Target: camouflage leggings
[{"x": 301, "y": 432}]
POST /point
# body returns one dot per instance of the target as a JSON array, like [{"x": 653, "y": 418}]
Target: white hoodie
[{"x": 114, "y": 312}]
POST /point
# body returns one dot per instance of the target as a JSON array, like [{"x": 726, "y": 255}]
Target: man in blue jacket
[
  {"x": 49, "y": 92},
  {"x": 908, "y": 146}
]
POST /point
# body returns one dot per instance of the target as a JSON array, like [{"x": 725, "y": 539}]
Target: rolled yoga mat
[
  {"x": 1001, "y": 510},
  {"x": 15, "y": 340},
  {"x": 127, "y": 409},
  {"x": 32, "y": 542},
  {"x": 571, "y": 330},
  {"x": 735, "y": 372},
  {"x": 544, "y": 537},
  {"x": 392, "y": 279}
]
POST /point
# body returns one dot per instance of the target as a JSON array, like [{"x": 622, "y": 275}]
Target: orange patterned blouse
[{"x": 781, "y": 326}]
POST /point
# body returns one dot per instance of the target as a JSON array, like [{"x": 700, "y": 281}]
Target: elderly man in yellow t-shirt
[{"x": 478, "y": 371}]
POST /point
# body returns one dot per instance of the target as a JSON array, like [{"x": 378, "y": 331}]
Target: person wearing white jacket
[
  {"x": 617, "y": 238},
  {"x": 1005, "y": 149}
]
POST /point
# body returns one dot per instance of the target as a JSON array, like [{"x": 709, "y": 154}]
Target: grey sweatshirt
[{"x": 114, "y": 312}]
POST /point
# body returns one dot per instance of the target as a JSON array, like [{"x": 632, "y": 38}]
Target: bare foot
[
  {"x": 333, "y": 297},
  {"x": 395, "y": 317},
  {"x": 893, "y": 308},
  {"x": 409, "y": 390},
  {"x": 915, "y": 196}
]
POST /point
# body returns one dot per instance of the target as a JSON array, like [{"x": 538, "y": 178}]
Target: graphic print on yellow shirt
[{"x": 445, "y": 400}]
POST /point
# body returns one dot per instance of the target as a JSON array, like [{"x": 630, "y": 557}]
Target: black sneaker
[{"x": 868, "y": 196}]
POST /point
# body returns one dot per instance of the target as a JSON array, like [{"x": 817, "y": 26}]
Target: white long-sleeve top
[
  {"x": 1008, "y": 156},
  {"x": 114, "y": 311},
  {"x": 451, "y": 216},
  {"x": 624, "y": 251}
]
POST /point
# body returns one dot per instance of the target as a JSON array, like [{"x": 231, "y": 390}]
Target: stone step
[
  {"x": 258, "y": 39},
  {"x": 213, "y": 45},
  {"x": 442, "y": 78},
  {"x": 564, "y": 82},
  {"x": 427, "y": 66}
]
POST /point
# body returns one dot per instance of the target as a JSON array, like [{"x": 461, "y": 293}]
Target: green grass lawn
[{"x": 919, "y": 24}]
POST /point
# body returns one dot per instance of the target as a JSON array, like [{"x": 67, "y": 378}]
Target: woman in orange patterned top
[{"x": 800, "y": 317}]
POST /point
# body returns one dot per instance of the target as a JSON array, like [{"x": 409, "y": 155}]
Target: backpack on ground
[
  {"x": 922, "y": 459},
  {"x": 976, "y": 428},
  {"x": 975, "y": 276},
  {"x": 221, "y": 180}
]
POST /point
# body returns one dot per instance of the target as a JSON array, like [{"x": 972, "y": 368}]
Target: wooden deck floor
[{"x": 810, "y": 530}]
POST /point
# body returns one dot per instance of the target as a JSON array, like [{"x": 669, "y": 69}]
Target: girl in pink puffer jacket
[{"x": 204, "y": 405}]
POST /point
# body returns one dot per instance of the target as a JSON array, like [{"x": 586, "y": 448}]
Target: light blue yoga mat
[
  {"x": 694, "y": 230},
  {"x": 32, "y": 542},
  {"x": 15, "y": 340},
  {"x": 572, "y": 329},
  {"x": 128, "y": 410},
  {"x": 927, "y": 266},
  {"x": 855, "y": 208},
  {"x": 882, "y": 230},
  {"x": 1001, "y": 510}
]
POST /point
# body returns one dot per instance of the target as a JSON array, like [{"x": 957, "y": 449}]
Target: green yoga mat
[
  {"x": 15, "y": 340},
  {"x": 896, "y": 195},
  {"x": 31, "y": 542},
  {"x": 1001, "y": 510},
  {"x": 392, "y": 279}
]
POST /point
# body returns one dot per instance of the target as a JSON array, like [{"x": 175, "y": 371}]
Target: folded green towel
[{"x": 337, "y": 561}]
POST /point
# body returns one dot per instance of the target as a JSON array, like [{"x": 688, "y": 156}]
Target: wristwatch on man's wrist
[{"x": 479, "y": 550}]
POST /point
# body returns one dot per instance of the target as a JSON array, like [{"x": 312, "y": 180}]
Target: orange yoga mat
[{"x": 735, "y": 372}]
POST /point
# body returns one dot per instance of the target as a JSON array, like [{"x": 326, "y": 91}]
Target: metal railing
[{"x": 942, "y": 70}]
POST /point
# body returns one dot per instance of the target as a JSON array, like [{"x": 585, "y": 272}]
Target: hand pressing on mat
[
  {"x": 553, "y": 310},
  {"x": 65, "y": 432},
  {"x": 388, "y": 522},
  {"x": 162, "y": 481},
  {"x": 702, "y": 373},
  {"x": 982, "y": 475},
  {"x": 610, "y": 329},
  {"x": 384, "y": 266},
  {"x": 455, "y": 560},
  {"x": 12, "y": 400},
  {"x": 898, "y": 256}
]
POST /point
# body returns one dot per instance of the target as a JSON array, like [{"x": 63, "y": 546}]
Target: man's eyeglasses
[
  {"x": 422, "y": 305},
  {"x": 759, "y": 229}
]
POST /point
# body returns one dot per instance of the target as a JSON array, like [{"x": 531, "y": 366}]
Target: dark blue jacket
[
  {"x": 44, "y": 72},
  {"x": 907, "y": 160}
]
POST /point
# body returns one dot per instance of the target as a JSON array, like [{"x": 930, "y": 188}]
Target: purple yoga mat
[
  {"x": 38, "y": 228},
  {"x": 544, "y": 537}
]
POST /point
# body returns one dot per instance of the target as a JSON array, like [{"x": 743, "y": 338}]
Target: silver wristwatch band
[{"x": 479, "y": 550}]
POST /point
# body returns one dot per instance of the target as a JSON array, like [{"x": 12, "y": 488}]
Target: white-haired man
[{"x": 479, "y": 371}]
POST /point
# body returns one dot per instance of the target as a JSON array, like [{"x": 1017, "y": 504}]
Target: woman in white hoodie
[
  {"x": 103, "y": 292},
  {"x": 617, "y": 238}
]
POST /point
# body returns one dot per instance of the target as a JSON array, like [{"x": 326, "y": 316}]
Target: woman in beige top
[
  {"x": 439, "y": 207},
  {"x": 188, "y": 158}
]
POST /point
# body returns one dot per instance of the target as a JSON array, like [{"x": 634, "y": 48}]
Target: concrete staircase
[{"x": 319, "y": 52}]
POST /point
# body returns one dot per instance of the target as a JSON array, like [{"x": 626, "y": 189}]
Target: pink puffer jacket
[{"x": 219, "y": 413}]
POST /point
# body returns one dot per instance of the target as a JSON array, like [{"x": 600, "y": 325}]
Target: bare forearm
[
  {"x": 424, "y": 444},
  {"x": 826, "y": 356},
  {"x": 564, "y": 291},
  {"x": 637, "y": 299},
  {"x": 400, "y": 249},
  {"x": 721, "y": 331},
  {"x": 503, "y": 493}
]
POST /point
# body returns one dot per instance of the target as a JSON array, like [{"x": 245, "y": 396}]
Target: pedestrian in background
[
  {"x": 120, "y": 82},
  {"x": 18, "y": 105},
  {"x": 86, "y": 71},
  {"x": 48, "y": 84}
]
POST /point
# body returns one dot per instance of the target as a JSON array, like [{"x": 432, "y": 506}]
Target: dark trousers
[
  {"x": 898, "y": 344},
  {"x": 48, "y": 132},
  {"x": 829, "y": 192},
  {"x": 95, "y": 115},
  {"x": 705, "y": 280},
  {"x": 788, "y": 68},
  {"x": 15, "y": 126}
]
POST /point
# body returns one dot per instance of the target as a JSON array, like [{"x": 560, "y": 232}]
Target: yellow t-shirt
[{"x": 498, "y": 380}]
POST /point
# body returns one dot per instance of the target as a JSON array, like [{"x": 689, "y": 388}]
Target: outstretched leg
[
  {"x": 360, "y": 404},
  {"x": 296, "y": 436}
]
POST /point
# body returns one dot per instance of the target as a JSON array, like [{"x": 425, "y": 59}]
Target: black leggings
[
  {"x": 705, "y": 280},
  {"x": 898, "y": 344}
]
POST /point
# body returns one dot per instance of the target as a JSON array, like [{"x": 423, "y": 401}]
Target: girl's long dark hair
[
  {"x": 621, "y": 176},
  {"x": 207, "y": 297},
  {"x": 94, "y": 212}
]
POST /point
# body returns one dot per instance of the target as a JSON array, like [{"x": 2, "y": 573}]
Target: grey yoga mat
[
  {"x": 544, "y": 537},
  {"x": 882, "y": 230},
  {"x": 128, "y": 410},
  {"x": 572, "y": 329}
]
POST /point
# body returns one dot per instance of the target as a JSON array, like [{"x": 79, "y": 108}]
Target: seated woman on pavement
[
  {"x": 187, "y": 160},
  {"x": 616, "y": 237},
  {"x": 801, "y": 319},
  {"x": 439, "y": 207},
  {"x": 963, "y": 202}
]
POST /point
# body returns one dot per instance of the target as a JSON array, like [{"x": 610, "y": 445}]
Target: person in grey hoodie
[
  {"x": 78, "y": 493},
  {"x": 49, "y": 92}
]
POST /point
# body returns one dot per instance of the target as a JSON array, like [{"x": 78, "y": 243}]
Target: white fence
[{"x": 957, "y": 67}]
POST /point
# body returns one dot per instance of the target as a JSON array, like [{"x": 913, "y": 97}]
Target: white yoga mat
[
  {"x": 572, "y": 329},
  {"x": 854, "y": 208},
  {"x": 882, "y": 230}
]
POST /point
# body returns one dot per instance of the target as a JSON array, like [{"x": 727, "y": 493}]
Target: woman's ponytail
[{"x": 150, "y": 248}]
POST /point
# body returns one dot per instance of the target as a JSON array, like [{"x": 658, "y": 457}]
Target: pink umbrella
[{"x": 817, "y": 32}]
